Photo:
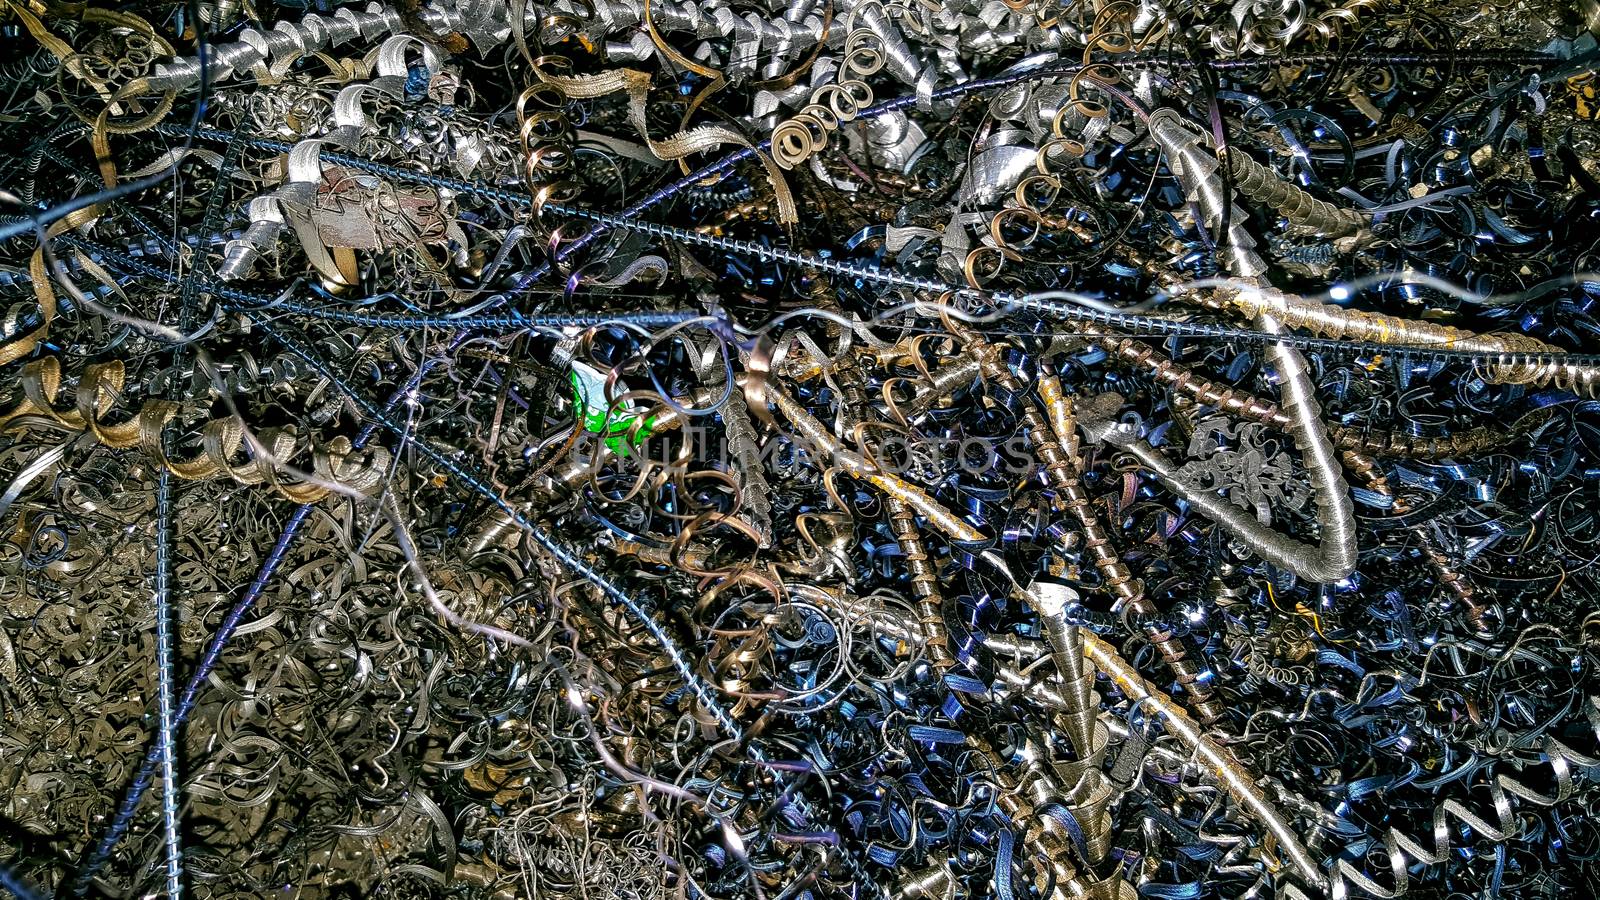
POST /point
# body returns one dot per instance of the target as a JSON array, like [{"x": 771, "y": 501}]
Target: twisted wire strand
[
  {"x": 1110, "y": 323},
  {"x": 126, "y": 810},
  {"x": 1552, "y": 364},
  {"x": 511, "y": 320},
  {"x": 1509, "y": 58},
  {"x": 165, "y": 665},
  {"x": 123, "y": 820},
  {"x": 166, "y": 725}
]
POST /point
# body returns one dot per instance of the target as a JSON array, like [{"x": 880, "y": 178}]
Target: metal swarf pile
[{"x": 870, "y": 449}]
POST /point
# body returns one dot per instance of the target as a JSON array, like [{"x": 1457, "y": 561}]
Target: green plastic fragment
[{"x": 624, "y": 430}]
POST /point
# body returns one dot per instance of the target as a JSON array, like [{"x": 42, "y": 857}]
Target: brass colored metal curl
[{"x": 271, "y": 454}]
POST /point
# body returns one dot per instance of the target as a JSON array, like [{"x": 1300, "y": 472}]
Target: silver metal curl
[
  {"x": 1334, "y": 555},
  {"x": 276, "y": 50},
  {"x": 1404, "y": 851},
  {"x": 1200, "y": 175}
]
